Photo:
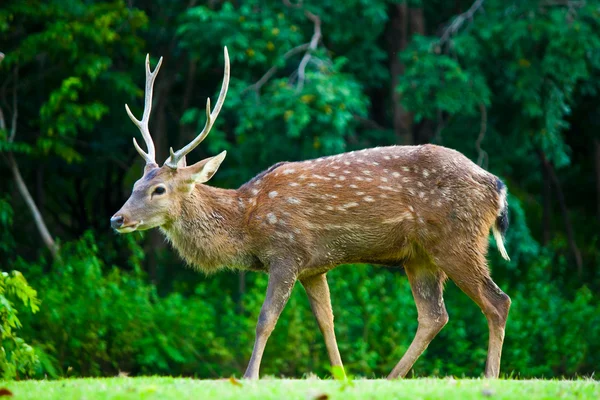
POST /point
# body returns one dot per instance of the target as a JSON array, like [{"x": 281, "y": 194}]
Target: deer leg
[
  {"x": 280, "y": 287},
  {"x": 479, "y": 286},
  {"x": 427, "y": 285},
  {"x": 317, "y": 290}
]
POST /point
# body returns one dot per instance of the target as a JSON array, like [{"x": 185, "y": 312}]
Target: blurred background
[{"x": 514, "y": 85}]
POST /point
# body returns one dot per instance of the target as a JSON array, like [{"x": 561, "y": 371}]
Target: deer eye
[{"x": 159, "y": 190}]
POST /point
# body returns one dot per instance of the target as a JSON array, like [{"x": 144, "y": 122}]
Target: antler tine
[
  {"x": 142, "y": 124},
  {"x": 175, "y": 157}
]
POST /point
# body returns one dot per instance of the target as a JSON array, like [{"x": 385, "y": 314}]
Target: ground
[{"x": 184, "y": 388}]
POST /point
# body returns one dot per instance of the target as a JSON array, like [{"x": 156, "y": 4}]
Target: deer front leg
[
  {"x": 317, "y": 290},
  {"x": 281, "y": 283}
]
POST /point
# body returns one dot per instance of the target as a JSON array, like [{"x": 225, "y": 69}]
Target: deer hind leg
[
  {"x": 427, "y": 285},
  {"x": 473, "y": 278},
  {"x": 317, "y": 290}
]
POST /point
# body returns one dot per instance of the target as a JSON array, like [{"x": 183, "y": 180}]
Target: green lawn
[{"x": 180, "y": 388}]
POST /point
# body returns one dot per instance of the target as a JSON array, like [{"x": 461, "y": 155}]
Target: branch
[
  {"x": 314, "y": 42},
  {"x": 369, "y": 123},
  {"x": 269, "y": 74},
  {"x": 441, "y": 124},
  {"x": 13, "y": 127},
  {"x": 559, "y": 3},
  {"x": 312, "y": 45},
  {"x": 483, "y": 156},
  {"x": 35, "y": 212},
  {"x": 565, "y": 213},
  {"x": 14, "y": 167},
  {"x": 459, "y": 21}
]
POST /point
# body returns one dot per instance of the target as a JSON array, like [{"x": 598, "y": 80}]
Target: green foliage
[
  {"x": 311, "y": 118},
  {"x": 94, "y": 323},
  {"x": 533, "y": 58},
  {"x": 435, "y": 82},
  {"x": 72, "y": 45},
  {"x": 17, "y": 358}
]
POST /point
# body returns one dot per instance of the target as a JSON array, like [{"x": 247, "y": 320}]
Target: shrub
[{"x": 17, "y": 358}]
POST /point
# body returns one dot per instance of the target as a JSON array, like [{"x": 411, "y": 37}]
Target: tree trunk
[
  {"x": 404, "y": 22},
  {"x": 35, "y": 212},
  {"x": 417, "y": 21},
  {"x": 187, "y": 131},
  {"x": 597, "y": 162},
  {"x": 547, "y": 205},
  {"x": 565, "y": 214},
  {"x": 397, "y": 40}
]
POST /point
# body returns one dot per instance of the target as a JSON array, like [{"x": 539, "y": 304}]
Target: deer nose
[{"x": 116, "y": 221}]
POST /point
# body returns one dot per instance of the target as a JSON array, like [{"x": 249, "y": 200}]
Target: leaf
[
  {"x": 338, "y": 372},
  {"x": 235, "y": 382}
]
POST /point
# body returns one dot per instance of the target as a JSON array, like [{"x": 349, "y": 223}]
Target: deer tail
[{"x": 501, "y": 226}]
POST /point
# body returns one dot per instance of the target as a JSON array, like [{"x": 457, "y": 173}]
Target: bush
[
  {"x": 98, "y": 320},
  {"x": 17, "y": 358}
]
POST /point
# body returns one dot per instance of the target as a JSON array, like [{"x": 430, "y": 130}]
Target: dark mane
[{"x": 262, "y": 174}]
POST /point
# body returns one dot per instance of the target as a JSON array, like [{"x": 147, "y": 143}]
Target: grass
[{"x": 183, "y": 388}]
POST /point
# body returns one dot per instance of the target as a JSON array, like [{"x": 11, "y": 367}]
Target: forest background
[{"x": 514, "y": 85}]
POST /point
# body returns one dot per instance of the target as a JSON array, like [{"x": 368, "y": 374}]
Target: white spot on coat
[
  {"x": 271, "y": 218},
  {"x": 273, "y": 194}
]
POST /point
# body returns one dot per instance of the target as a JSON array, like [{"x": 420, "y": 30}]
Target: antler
[
  {"x": 175, "y": 157},
  {"x": 142, "y": 125}
]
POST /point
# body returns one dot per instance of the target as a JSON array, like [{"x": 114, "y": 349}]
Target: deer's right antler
[{"x": 142, "y": 125}]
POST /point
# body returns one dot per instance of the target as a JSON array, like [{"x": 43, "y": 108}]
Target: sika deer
[{"x": 427, "y": 208}]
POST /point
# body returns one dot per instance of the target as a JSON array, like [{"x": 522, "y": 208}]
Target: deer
[{"x": 426, "y": 208}]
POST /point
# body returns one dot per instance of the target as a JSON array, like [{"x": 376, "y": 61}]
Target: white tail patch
[{"x": 500, "y": 243}]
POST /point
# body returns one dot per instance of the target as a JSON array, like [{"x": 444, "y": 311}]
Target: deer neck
[{"x": 207, "y": 230}]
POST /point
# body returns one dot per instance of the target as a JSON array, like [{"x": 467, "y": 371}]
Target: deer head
[{"x": 157, "y": 194}]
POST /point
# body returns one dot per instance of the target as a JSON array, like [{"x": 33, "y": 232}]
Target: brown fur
[{"x": 426, "y": 207}]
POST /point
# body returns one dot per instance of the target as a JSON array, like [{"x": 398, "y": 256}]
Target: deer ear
[{"x": 203, "y": 170}]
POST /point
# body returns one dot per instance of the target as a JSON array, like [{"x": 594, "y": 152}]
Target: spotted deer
[{"x": 426, "y": 208}]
